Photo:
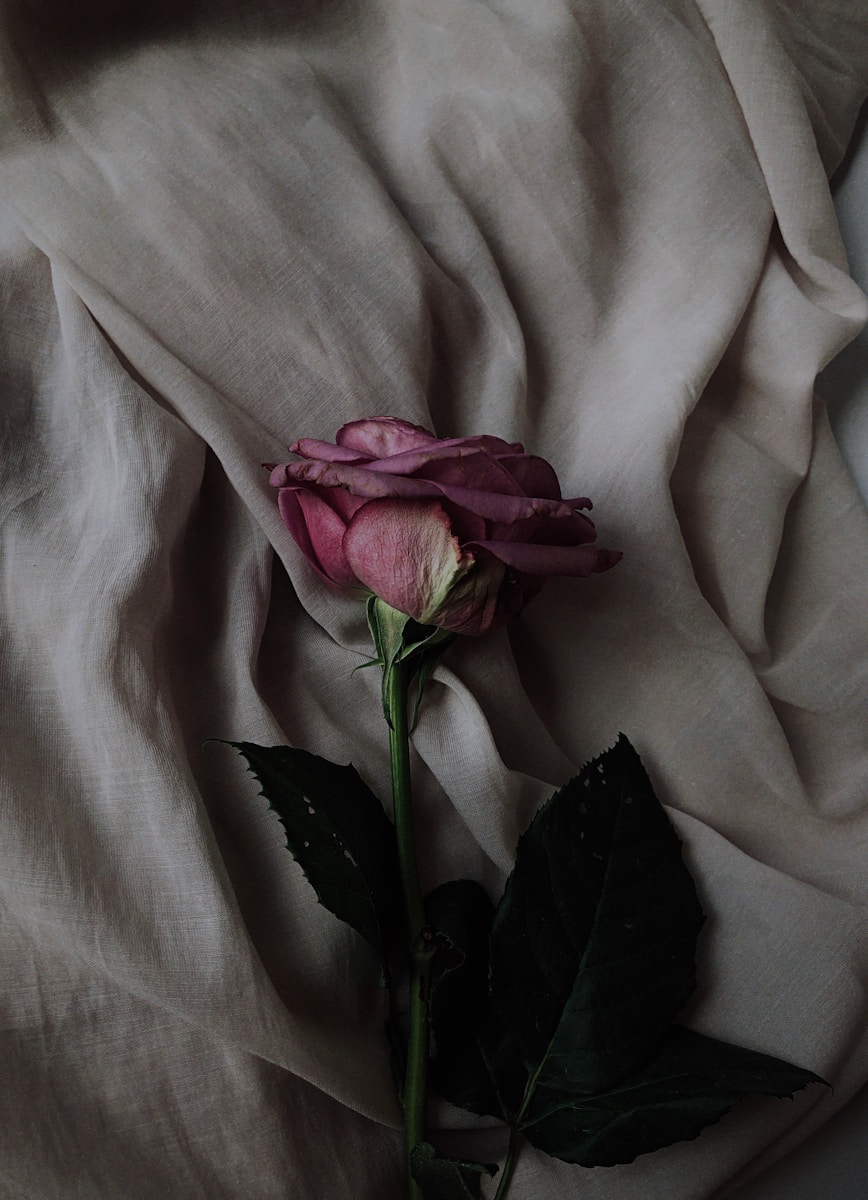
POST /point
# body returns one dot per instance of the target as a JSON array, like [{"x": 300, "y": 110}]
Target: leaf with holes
[
  {"x": 592, "y": 946},
  {"x": 591, "y": 956}
]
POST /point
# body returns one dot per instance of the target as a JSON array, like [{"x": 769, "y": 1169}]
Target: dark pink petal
[
  {"x": 380, "y": 437},
  {"x": 477, "y": 470},
  {"x": 362, "y": 481},
  {"x": 571, "y": 530},
  {"x": 344, "y": 503},
  {"x": 319, "y": 532},
  {"x": 325, "y": 451},
  {"x": 497, "y": 507},
  {"x": 466, "y": 526},
  {"x": 533, "y": 475},
  {"x": 550, "y": 560},
  {"x": 460, "y": 466}
]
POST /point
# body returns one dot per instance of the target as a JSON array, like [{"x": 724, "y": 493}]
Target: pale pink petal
[{"x": 405, "y": 553}]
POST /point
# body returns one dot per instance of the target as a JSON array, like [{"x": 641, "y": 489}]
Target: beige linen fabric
[{"x": 601, "y": 228}]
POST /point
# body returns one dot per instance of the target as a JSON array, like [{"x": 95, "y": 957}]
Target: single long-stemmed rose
[
  {"x": 555, "y": 1010},
  {"x": 445, "y": 536}
]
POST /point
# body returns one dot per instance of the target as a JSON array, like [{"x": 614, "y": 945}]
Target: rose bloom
[{"x": 454, "y": 532}]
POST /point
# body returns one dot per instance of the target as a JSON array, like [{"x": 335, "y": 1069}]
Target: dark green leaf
[
  {"x": 591, "y": 957},
  {"x": 467, "y": 1037},
  {"x": 447, "y": 1178},
  {"x": 459, "y": 915},
  {"x": 691, "y": 1082},
  {"x": 592, "y": 947},
  {"x": 337, "y": 830}
]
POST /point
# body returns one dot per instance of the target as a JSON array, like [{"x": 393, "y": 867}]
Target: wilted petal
[
  {"x": 279, "y": 474},
  {"x": 476, "y": 469},
  {"x": 495, "y": 506},
  {"x": 358, "y": 479},
  {"x": 314, "y": 448},
  {"x": 550, "y": 560},
  {"x": 533, "y": 475},
  {"x": 380, "y": 437},
  {"x": 459, "y": 465},
  {"x": 571, "y": 530},
  {"x": 407, "y": 555}
]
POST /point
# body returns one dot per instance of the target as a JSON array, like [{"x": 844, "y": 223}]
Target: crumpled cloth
[{"x": 602, "y": 228}]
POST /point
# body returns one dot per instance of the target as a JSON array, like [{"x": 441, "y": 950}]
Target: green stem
[
  {"x": 511, "y": 1159},
  {"x": 419, "y": 955}
]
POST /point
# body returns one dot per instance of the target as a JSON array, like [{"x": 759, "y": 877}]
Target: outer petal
[
  {"x": 407, "y": 554},
  {"x": 314, "y": 448},
  {"x": 533, "y": 475},
  {"x": 319, "y": 532},
  {"x": 574, "y": 529},
  {"x": 467, "y": 467},
  {"x": 362, "y": 481},
  {"x": 381, "y": 437},
  {"x": 550, "y": 560}
]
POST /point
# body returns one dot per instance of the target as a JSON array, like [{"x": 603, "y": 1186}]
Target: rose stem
[
  {"x": 419, "y": 954},
  {"x": 509, "y": 1164}
]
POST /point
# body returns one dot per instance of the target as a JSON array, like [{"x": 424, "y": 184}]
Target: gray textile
[{"x": 602, "y": 228}]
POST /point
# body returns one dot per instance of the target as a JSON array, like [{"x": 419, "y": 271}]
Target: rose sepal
[{"x": 401, "y": 639}]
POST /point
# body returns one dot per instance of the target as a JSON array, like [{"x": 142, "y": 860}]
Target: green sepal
[
  {"x": 338, "y": 831},
  {"x": 447, "y": 1178},
  {"x": 399, "y": 639}
]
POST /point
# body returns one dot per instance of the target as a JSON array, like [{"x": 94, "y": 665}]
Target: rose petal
[
  {"x": 571, "y": 530},
  {"x": 362, "y": 481},
  {"x": 407, "y": 554},
  {"x": 533, "y": 475},
  {"x": 494, "y": 506},
  {"x": 325, "y": 451},
  {"x": 381, "y": 437},
  {"x": 466, "y": 526},
  {"x": 318, "y": 531},
  {"x": 550, "y": 560},
  {"x": 459, "y": 466}
]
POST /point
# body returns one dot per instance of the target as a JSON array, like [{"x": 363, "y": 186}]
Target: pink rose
[{"x": 454, "y": 532}]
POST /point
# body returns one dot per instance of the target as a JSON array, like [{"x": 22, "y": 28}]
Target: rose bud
[{"x": 454, "y": 532}]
